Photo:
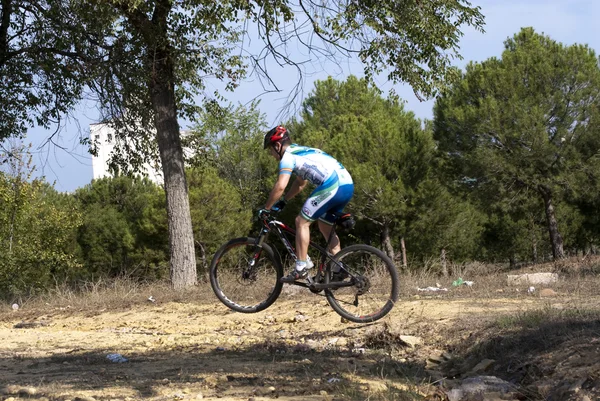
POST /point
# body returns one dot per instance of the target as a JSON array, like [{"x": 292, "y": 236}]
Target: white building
[{"x": 103, "y": 136}]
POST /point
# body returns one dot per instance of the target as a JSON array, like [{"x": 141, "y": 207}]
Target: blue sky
[{"x": 567, "y": 21}]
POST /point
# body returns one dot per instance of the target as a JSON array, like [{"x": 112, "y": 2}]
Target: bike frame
[{"x": 313, "y": 283}]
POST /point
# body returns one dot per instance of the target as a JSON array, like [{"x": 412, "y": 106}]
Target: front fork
[{"x": 248, "y": 273}]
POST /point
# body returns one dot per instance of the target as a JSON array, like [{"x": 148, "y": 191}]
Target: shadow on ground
[
  {"x": 269, "y": 369},
  {"x": 549, "y": 354}
]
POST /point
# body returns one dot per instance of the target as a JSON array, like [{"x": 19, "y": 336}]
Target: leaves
[
  {"x": 513, "y": 128},
  {"x": 124, "y": 230},
  {"x": 37, "y": 231}
]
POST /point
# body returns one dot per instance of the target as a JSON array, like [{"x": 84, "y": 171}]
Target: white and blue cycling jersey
[{"x": 334, "y": 184}]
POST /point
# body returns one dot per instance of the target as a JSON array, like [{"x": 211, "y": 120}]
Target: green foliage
[
  {"x": 124, "y": 230},
  {"x": 40, "y": 75},
  {"x": 38, "y": 228},
  {"x": 443, "y": 221},
  {"x": 524, "y": 125},
  {"x": 372, "y": 137},
  {"x": 218, "y": 213},
  {"x": 391, "y": 158},
  {"x": 231, "y": 141},
  {"x": 412, "y": 41}
]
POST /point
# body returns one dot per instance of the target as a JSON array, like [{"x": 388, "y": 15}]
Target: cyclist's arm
[
  {"x": 297, "y": 187},
  {"x": 278, "y": 190}
]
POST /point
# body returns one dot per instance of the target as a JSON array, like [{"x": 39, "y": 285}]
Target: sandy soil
[{"x": 298, "y": 349}]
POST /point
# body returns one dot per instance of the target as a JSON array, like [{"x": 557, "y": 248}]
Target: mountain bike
[{"x": 360, "y": 282}]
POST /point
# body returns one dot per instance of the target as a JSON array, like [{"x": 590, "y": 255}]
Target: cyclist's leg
[
  {"x": 312, "y": 209},
  {"x": 335, "y": 205},
  {"x": 327, "y": 220},
  {"x": 325, "y": 227},
  {"x": 315, "y": 206},
  {"x": 302, "y": 236},
  {"x": 302, "y": 263}
]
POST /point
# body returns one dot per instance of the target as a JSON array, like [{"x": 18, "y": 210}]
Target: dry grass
[
  {"x": 577, "y": 277},
  {"x": 103, "y": 295}
]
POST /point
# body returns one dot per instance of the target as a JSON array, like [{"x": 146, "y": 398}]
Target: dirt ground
[{"x": 299, "y": 349}]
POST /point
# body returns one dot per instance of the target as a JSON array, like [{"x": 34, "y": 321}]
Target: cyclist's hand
[
  {"x": 263, "y": 214},
  {"x": 279, "y": 205}
]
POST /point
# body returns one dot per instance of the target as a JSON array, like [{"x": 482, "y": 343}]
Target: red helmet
[{"x": 276, "y": 134}]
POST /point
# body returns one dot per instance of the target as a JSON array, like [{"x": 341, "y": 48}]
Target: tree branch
[{"x": 4, "y": 25}]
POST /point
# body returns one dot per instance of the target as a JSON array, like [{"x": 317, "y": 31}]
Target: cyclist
[{"x": 334, "y": 189}]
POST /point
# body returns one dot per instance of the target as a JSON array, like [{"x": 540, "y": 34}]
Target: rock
[
  {"x": 436, "y": 358},
  {"x": 455, "y": 394},
  {"x": 84, "y": 398},
  {"x": 488, "y": 387},
  {"x": 548, "y": 292},
  {"x": 300, "y": 318},
  {"x": 483, "y": 366},
  {"x": 272, "y": 389},
  {"x": 411, "y": 341},
  {"x": 533, "y": 278},
  {"x": 28, "y": 391},
  {"x": 30, "y": 325},
  {"x": 199, "y": 396}
]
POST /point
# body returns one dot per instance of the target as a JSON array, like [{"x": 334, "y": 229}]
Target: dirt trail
[{"x": 298, "y": 349}]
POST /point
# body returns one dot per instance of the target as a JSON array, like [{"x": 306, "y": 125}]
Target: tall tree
[
  {"x": 38, "y": 229},
  {"x": 383, "y": 146},
  {"x": 158, "y": 52},
  {"x": 124, "y": 228},
  {"x": 521, "y": 124}
]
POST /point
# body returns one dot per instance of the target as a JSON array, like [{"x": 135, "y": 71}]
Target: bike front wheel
[
  {"x": 245, "y": 276},
  {"x": 371, "y": 284}
]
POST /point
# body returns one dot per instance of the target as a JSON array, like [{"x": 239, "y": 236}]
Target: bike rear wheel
[
  {"x": 375, "y": 284},
  {"x": 243, "y": 282}
]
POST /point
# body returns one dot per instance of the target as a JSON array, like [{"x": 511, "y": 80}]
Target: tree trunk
[
  {"x": 203, "y": 259},
  {"x": 5, "y": 15},
  {"x": 386, "y": 241},
  {"x": 181, "y": 237},
  {"x": 555, "y": 237},
  {"x": 443, "y": 262},
  {"x": 534, "y": 248},
  {"x": 403, "y": 248}
]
